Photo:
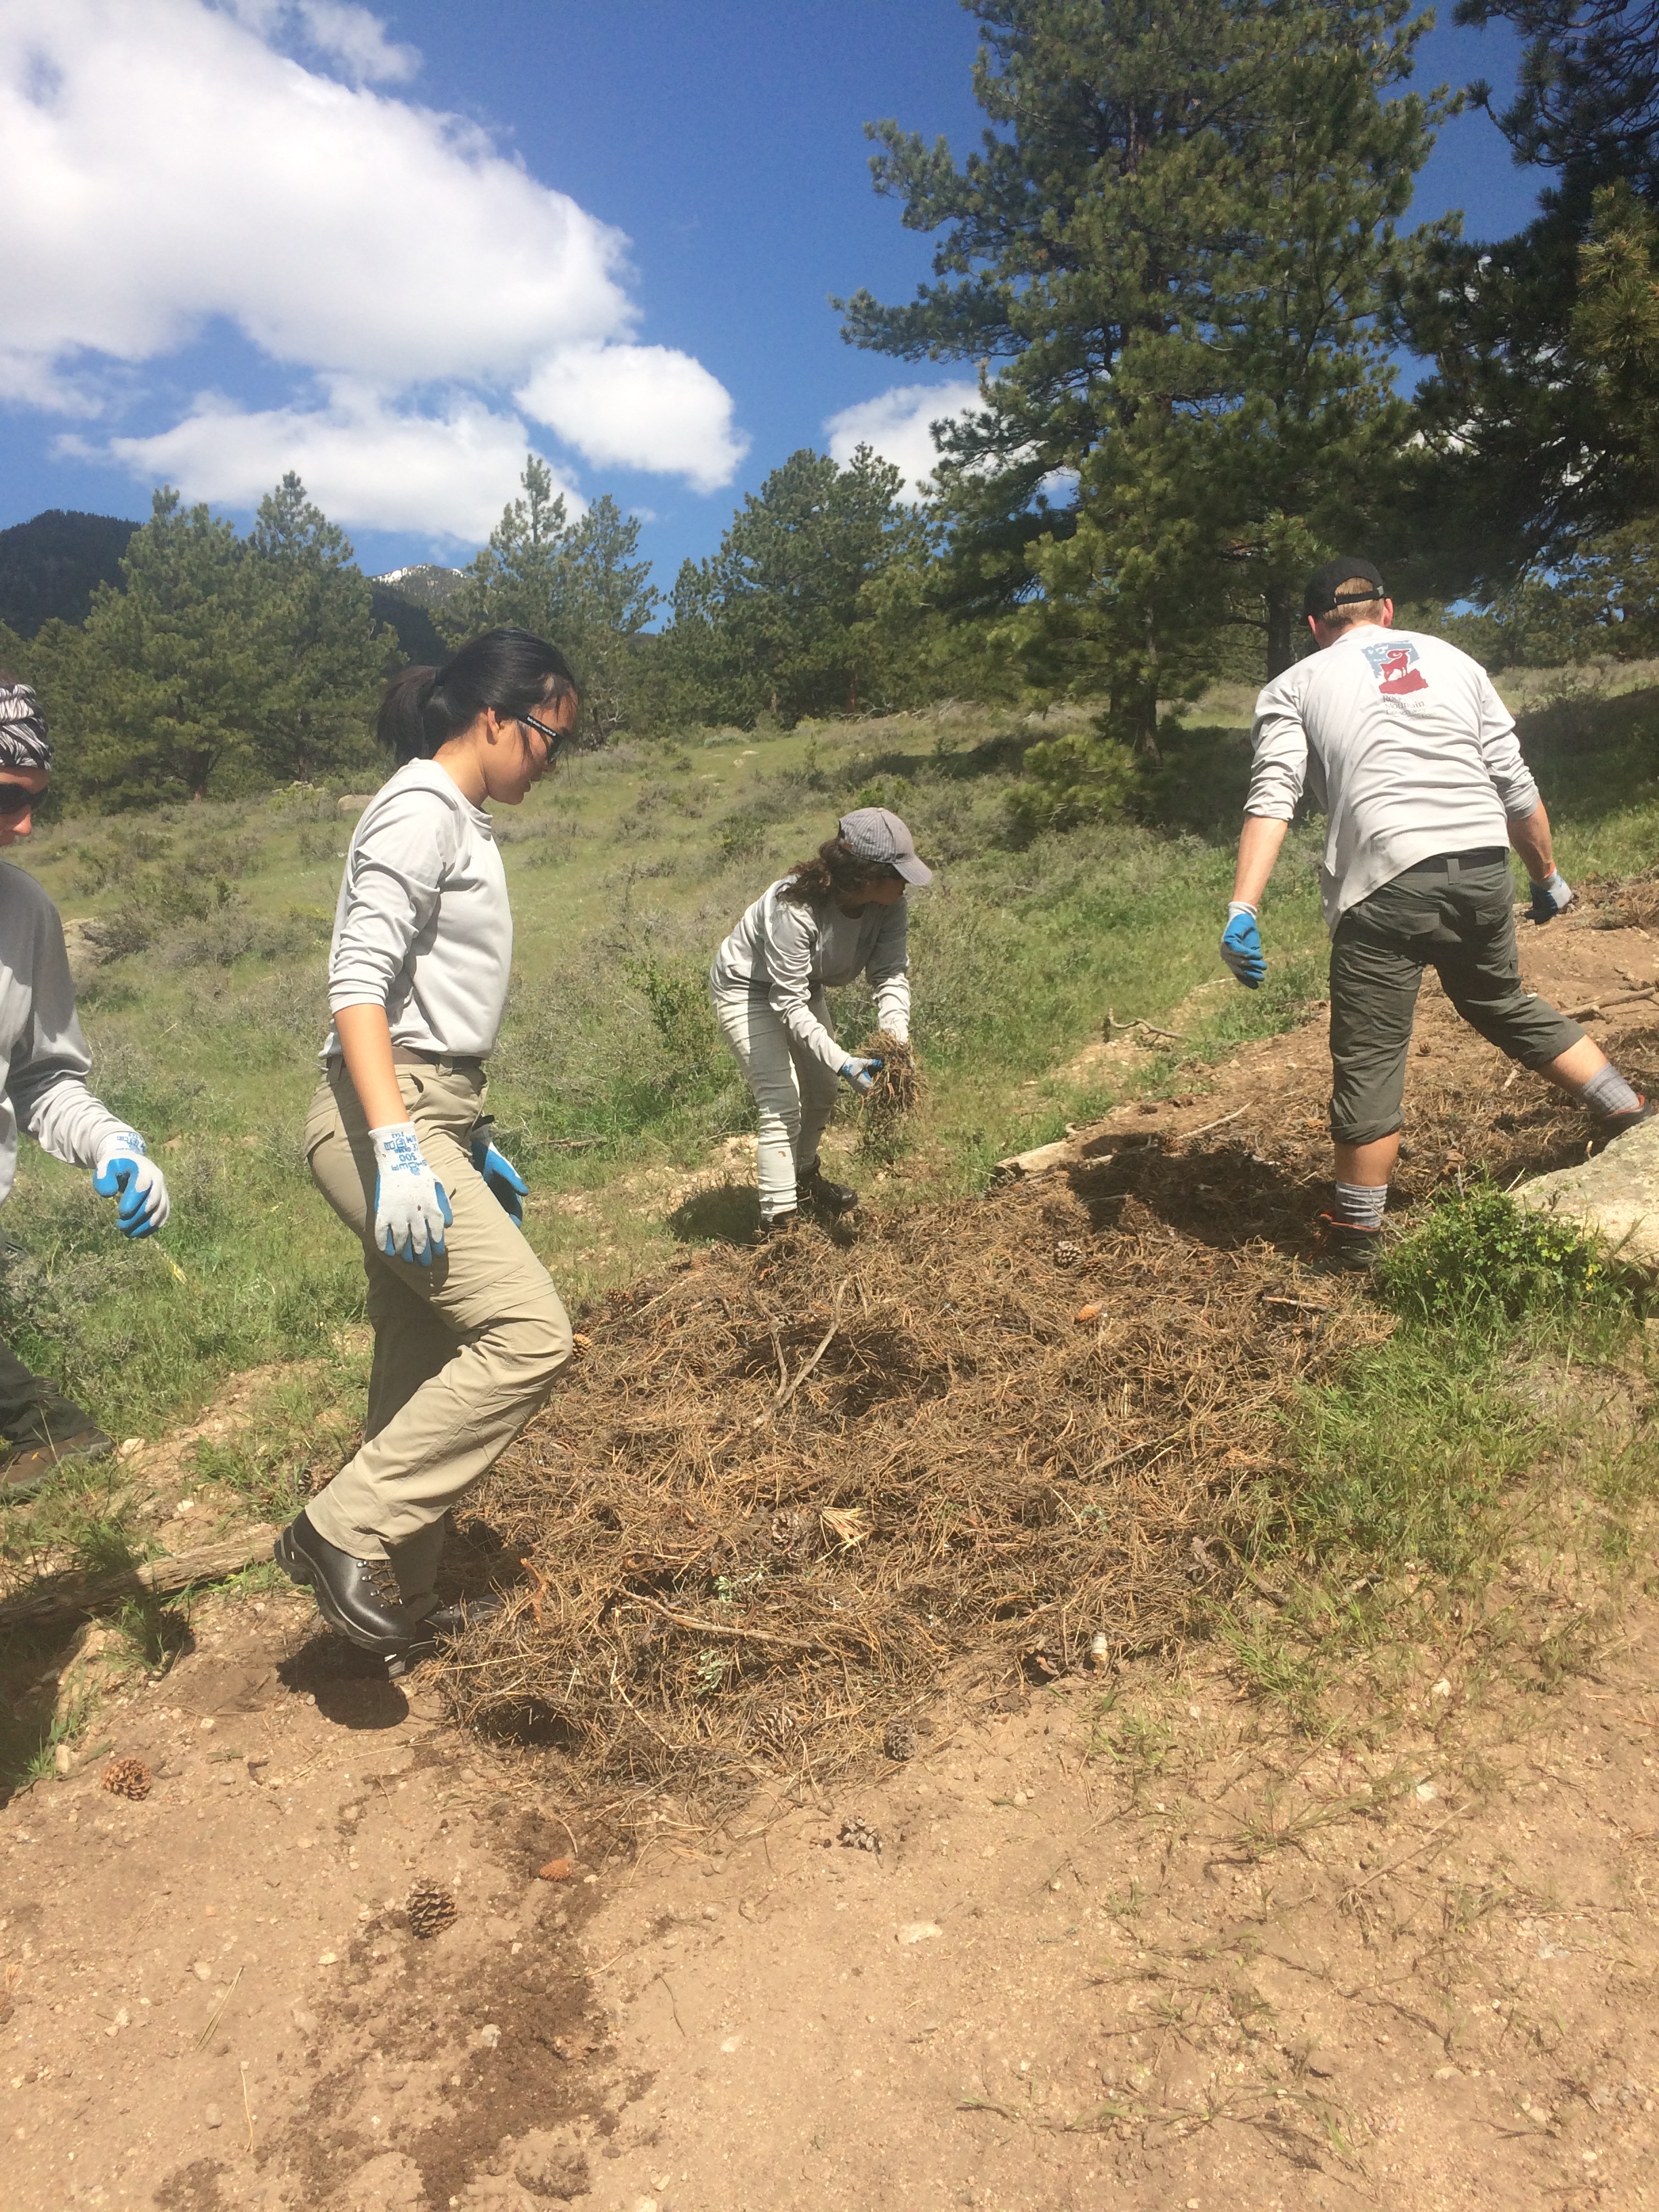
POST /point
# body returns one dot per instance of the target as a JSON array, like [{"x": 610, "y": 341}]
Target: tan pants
[{"x": 465, "y": 1351}]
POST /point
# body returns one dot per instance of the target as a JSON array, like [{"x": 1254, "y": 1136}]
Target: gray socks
[
  {"x": 1360, "y": 1205},
  {"x": 1607, "y": 1092}
]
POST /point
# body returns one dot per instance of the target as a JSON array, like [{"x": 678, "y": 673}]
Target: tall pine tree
[{"x": 1170, "y": 258}]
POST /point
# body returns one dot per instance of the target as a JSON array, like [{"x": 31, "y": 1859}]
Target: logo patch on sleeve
[{"x": 1396, "y": 669}]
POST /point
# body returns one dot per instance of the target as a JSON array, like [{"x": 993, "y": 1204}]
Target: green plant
[{"x": 1480, "y": 1258}]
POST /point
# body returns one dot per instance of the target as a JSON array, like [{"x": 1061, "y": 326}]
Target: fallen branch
[
  {"x": 723, "y": 1628},
  {"x": 789, "y": 1389},
  {"x": 164, "y": 1577}
]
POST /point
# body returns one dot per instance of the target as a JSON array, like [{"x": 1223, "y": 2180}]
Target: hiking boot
[
  {"x": 825, "y": 1196},
  {"x": 446, "y": 1622},
  {"x": 358, "y": 1597},
  {"x": 777, "y": 1226},
  {"x": 31, "y": 1464},
  {"x": 1606, "y": 1127},
  {"x": 1347, "y": 1247}
]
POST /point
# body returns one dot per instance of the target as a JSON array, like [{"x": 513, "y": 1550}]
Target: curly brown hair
[{"x": 834, "y": 868}]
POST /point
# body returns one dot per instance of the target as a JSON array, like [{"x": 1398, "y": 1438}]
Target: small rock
[
  {"x": 1426, "y": 1793},
  {"x": 62, "y": 1760},
  {"x": 489, "y": 2036},
  {"x": 917, "y": 1931},
  {"x": 213, "y": 2117},
  {"x": 1442, "y": 1688}
]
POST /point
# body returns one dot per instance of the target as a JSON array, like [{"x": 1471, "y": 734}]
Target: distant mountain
[
  {"x": 425, "y": 585},
  {"x": 52, "y": 565},
  {"x": 416, "y": 633}
]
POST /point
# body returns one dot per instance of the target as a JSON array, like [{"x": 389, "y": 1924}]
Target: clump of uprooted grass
[
  {"x": 783, "y": 1491},
  {"x": 890, "y": 1105}
]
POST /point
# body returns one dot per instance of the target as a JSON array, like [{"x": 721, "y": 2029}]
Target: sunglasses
[
  {"x": 17, "y": 799},
  {"x": 556, "y": 740}
]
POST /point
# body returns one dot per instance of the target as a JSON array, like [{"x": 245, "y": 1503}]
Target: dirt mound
[{"x": 784, "y": 1491}]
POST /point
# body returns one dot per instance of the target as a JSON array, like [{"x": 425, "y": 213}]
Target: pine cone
[
  {"x": 1069, "y": 1253},
  {"x": 127, "y": 1778},
  {"x": 900, "y": 1740},
  {"x": 430, "y": 1908},
  {"x": 857, "y": 1835}
]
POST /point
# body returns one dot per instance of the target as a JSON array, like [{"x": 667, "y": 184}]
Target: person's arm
[
  {"x": 789, "y": 939},
  {"x": 1259, "y": 845},
  {"x": 1528, "y": 823},
  {"x": 888, "y": 970},
  {"x": 365, "y": 1038},
  {"x": 47, "y": 1085},
  {"x": 1530, "y": 836}
]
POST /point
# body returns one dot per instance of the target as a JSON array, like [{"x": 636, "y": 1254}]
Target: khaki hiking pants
[
  {"x": 794, "y": 1090},
  {"x": 465, "y": 1351}
]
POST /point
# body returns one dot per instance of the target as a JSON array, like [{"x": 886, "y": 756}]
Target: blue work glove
[
  {"x": 411, "y": 1210},
  {"x": 125, "y": 1173},
  {"x": 507, "y": 1187},
  {"x": 860, "y": 1073},
  {"x": 1241, "y": 945},
  {"x": 1550, "y": 897}
]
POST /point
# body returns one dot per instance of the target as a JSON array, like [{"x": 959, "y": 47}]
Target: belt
[
  {"x": 458, "y": 1063},
  {"x": 1483, "y": 856}
]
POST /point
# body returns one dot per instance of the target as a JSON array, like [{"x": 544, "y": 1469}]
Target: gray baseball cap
[{"x": 873, "y": 834}]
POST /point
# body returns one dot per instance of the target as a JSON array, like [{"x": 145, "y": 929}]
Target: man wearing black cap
[{"x": 1404, "y": 742}]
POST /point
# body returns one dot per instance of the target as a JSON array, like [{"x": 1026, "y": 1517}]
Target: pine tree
[
  {"x": 786, "y": 619},
  {"x": 1172, "y": 270},
  {"x": 578, "y": 585},
  {"x": 314, "y": 631}
]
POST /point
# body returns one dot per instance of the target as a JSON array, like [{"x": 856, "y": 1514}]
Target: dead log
[{"x": 70, "y": 1596}]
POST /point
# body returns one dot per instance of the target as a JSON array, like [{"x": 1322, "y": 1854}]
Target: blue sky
[{"x": 293, "y": 263}]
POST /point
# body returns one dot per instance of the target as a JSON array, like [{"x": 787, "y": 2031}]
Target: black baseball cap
[{"x": 1322, "y": 596}]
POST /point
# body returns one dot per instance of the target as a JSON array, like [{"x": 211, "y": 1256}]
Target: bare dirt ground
[{"x": 1127, "y": 1939}]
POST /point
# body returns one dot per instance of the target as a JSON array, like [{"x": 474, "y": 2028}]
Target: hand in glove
[
  {"x": 1241, "y": 945},
  {"x": 507, "y": 1187},
  {"x": 860, "y": 1073},
  {"x": 125, "y": 1173},
  {"x": 411, "y": 1210},
  {"x": 1550, "y": 897}
]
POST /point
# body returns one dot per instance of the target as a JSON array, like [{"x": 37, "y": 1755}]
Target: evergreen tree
[
  {"x": 578, "y": 585},
  {"x": 1172, "y": 270},
  {"x": 1521, "y": 458},
  {"x": 313, "y": 631},
  {"x": 786, "y": 618},
  {"x": 155, "y": 696}
]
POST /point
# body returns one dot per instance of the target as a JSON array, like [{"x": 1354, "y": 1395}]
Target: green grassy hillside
[{"x": 611, "y": 1086}]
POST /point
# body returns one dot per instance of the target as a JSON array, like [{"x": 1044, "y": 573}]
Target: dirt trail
[{"x": 1126, "y": 1939}]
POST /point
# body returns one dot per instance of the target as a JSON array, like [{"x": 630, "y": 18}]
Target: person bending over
[
  {"x": 835, "y": 916},
  {"x": 469, "y": 1333},
  {"x": 1405, "y": 744},
  {"x": 47, "y": 1065}
]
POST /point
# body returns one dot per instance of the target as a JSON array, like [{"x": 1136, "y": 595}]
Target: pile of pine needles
[
  {"x": 890, "y": 1104},
  {"x": 783, "y": 1492}
]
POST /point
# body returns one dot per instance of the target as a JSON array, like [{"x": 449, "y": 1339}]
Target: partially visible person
[
  {"x": 469, "y": 1334},
  {"x": 836, "y": 916},
  {"x": 1404, "y": 742},
  {"x": 44, "y": 1091}
]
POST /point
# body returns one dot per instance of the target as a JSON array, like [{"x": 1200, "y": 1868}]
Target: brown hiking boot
[
  {"x": 1346, "y": 1247},
  {"x": 32, "y": 1465}
]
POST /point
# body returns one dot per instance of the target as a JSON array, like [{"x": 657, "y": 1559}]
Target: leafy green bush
[{"x": 1480, "y": 1258}]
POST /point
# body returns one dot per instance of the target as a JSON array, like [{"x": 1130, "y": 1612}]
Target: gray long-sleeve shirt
[
  {"x": 1403, "y": 742},
  {"x": 422, "y": 925},
  {"x": 45, "y": 1055},
  {"x": 791, "y": 947}
]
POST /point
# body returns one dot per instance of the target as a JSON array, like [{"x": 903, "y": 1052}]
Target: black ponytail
[{"x": 511, "y": 670}]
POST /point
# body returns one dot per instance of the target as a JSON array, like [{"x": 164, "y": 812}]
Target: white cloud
[
  {"x": 898, "y": 423},
  {"x": 641, "y": 406},
  {"x": 167, "y": 166},
  {"x": 365, "y": 464}
]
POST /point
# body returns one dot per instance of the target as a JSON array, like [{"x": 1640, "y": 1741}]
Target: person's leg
[
  {"x": 1375, "y": 978},
  {"x": 760, "y": 1045},
  {"x": 34, "y": 1411},
  {"x": 504, "y": 1323},
  {"x": 412, "y": 1343},
  {"x": 819, "y": 1087},
  {"x": 1480, "y": 967}
]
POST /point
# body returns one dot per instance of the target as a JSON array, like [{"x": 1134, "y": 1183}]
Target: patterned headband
[{"x": 24, "y": 744}]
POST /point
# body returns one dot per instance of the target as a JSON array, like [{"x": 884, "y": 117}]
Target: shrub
[{"x": 1480, "y": 1258}]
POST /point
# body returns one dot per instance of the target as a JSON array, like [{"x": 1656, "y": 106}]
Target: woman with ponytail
[
  {"x": 838, "y": 916},
  {"x": 469, "y": 1333}
]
